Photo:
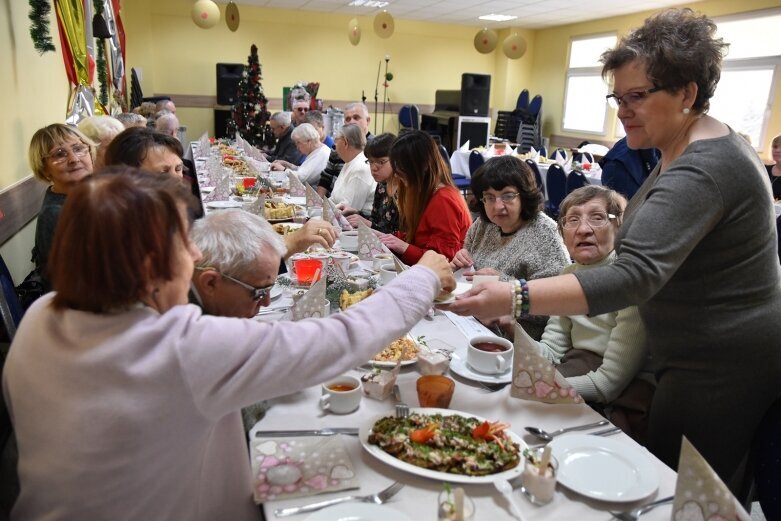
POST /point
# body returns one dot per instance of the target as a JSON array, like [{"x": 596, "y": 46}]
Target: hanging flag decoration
[
  {"x": 486, "y": 40},
  {"x": 117, "y": 51},
  {"x": 77, "y": 44}
]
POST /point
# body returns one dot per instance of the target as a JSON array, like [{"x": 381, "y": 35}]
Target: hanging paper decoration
[
  {"x": 232, "y": 16},
  {"x": 39, "y": 26},
  {"x": 117, "y": 50},
  {"x": 486, "y": 40},
  {"x": 383, "y": 24},
  {"x": 514, "y": 46},
  {"x": 205, "y": 14},
  {"x": 77, "y": 43},
  {"x": 354, "y": 31}
]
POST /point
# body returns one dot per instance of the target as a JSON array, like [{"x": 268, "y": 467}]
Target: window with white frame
[
  {"x": 744, "y": 96},
  {"x": 585, "y": 108}
]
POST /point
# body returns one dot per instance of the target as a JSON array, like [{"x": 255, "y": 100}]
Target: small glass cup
[
  {"x": 446, "y": 510},
  {"x": 308, "y": 270},
  {"x": 538, "y": 488},
  {"x": 435, "y": 391}
]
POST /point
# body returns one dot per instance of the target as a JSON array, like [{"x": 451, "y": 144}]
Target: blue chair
[
  {"x": 408, "y": 118},
  {"x": 575, "y": 180},
  {"x": 543, "y": 152},
  {"x": 561, "y": 151},
  {"x": 10, "y": 308},
  {"x": 583, "y": 157},
  {"x": 557, "y": 190},
  {"x": 535, "y": 106},
  {"x": 523, "y": 101},
  {"x": 537, "y": 175},
  {"x": 476, "y": 160}
]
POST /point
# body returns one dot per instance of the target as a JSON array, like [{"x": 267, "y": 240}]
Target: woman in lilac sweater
[{"x": 125, "y": 399}]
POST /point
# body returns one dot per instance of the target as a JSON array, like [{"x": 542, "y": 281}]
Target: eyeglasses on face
[
  {"x": 61, "y": 154},
  {"x": 507, "y": 198},
  {"x": 630, "y": 99},
  {"x": 594, "y": 220},
  {"x": 257, "y": 293},
  {"x": 376, "y": 162},
  {"x": 302, "y": 109}
]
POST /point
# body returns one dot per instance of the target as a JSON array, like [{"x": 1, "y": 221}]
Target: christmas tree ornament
[
  {"x": 486, "y": 40},
  {"x": 232, "y": 16},
  {"x": 354, "y": 32},
  {"x": 383, "y": 24},
  {"x": 514, "y": 46},
  {"x": 205, "y": 14}
]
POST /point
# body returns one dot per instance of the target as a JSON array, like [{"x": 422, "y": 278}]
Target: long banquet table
[{"x": 418, "y": 498}]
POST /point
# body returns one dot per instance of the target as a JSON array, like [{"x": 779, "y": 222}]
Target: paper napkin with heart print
[
  {"x": 311, "y": 304},
  {"x": 313, "y": 200},
  {"x": 535, "y": 377},
  {"x": 338, "y": 219},
  {"x": 700, "y": 495},
  {"x": 297, "y": 188},
  {"x": 299, "y": 466},
  {"x": 369, "y": 244}
]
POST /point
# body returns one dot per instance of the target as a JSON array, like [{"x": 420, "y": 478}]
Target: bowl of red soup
[{"x": 490, "y": 354}]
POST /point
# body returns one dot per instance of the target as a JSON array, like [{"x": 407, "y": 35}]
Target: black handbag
[{"x": 31, "y": 288}]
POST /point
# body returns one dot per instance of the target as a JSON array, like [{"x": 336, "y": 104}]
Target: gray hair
[
  {"x": 130, "y": 119},
  {"x": 359, "y": 105},
  {"x": 305, "y": 132},
  {"x": 354, "y": 136},
  {"x": 98, "y": 128},
  {"x": 282, "y": 118},
  {"x": 315, "y": 118},
  {"x": 232, "y": 240},
  {"x": 615, "y": 203},
  {"x": 167, "y": 123}
]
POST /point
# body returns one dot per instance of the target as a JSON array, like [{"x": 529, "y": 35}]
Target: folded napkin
[
  {"x": 297, "y": 188},
  {"x": 465, "y": 147},
  {"x": 491, "y": 152},
  {"x": 534, "y": 376},
  {"x": 300, "y": 466},
  {"x": 517, "y": 151},
  {"x": 222, "y": 188},
  {"x": 699, "y": 493},
  {"x": 400, "y": 266},
  {"x": 258, "y": 206},
  {"x": 534, "y": 155},
  {"x": 559, "y": 159},
  {"x": 369, "y": 244},
  {"x": 313, "y": 200},
  {"x": 311, "y": 303},
  {"x": 338, "y": 219},
  {"x": 204, "y": 145}
]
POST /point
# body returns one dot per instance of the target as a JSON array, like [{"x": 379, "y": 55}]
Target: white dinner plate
[
  {"x": 357, "y": 512},
  {"x": 219, "y": 205},
  {"x": 604, "y": 468},
  {"x": 276, "y": 291},
  {"x": 459, "y": 366},
  {"x": 461, "y": 287},
  {"x": 207, "y": 189},
  {"x": 291, "y": 226},
  {"x": 392, "y": 364},
  {"x": 296, "y": 200},
  {"x": 377, "y": 452}
]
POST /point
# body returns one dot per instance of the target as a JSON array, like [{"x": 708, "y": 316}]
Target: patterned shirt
[{"x": 385, "y": 213}]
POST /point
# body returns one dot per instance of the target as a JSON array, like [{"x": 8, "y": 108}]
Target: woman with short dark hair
[
  {"x": 512, "y": 238},
  {"x": 148, "y": 149}
]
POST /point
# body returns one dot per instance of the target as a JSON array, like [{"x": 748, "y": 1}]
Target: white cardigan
[
  {"x": 355, "y": 186},
  {"x": 313, "y": 165}
]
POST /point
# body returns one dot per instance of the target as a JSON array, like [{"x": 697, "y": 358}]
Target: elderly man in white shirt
[{"x": 355, "y": 186}]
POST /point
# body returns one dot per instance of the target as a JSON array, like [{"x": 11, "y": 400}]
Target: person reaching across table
[
  {"x": 385, "y": 214},
  {"x": 696, "y": 251},
  {"x": 432, "y": 213},
  {"x": 140, "y": 384},
  {"x": 512, "y": 237}
]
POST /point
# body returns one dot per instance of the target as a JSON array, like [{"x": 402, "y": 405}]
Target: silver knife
[{"x": 352, "y": 431}]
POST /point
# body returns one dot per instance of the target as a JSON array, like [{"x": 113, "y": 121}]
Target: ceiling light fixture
[
  {"x": 367, "y": 3},
  {"x": 497, "y": 17}
]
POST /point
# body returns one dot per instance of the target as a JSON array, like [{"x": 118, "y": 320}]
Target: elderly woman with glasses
[
  {"x": 60, "y": 156},
  {"x": 600, "y": 355},
  {"x": 696, "y": 251},
  {"x": 307, "y": 140},
  {"x": 140, "y": 384},
  {"x": 354, "y": 188},
  {"x": 512, "y": 237}
]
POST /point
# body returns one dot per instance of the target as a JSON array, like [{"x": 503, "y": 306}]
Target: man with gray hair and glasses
[
  {"x": 285, "y": 150},
  {"x": 356, "y": 114}
]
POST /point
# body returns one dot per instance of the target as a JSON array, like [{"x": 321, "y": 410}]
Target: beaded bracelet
[
  {"x": 521, "y": 300},
  {"x": 514, "y": 292}
]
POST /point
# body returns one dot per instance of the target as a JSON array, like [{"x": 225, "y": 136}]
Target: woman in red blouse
[{"x": 432, "y": 213}]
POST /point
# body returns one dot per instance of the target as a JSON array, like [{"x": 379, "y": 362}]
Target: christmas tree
[{"x": 249, "y": 115}]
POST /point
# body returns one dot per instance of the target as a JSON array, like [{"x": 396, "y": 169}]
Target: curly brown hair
[{"x": 678, "y": 46}]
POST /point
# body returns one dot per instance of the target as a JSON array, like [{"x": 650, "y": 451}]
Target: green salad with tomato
[{"x": 453, "y": 444}]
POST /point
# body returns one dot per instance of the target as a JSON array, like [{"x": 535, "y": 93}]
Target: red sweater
[{"x": 442, "y": 226}]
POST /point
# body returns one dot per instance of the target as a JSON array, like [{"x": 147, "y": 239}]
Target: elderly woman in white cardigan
[
  {"x": 602, "y": 356},
  {"x": 307, "y": 140}
]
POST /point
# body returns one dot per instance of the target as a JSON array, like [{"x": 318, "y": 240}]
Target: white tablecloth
[{"x": 418, "y": 498}]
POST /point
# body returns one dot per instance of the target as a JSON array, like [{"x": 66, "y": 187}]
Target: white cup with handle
[{"x": 341, "y": 395}]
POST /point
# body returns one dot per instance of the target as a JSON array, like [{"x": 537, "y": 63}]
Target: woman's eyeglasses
[
  {"x": 61, "y": 154},
  {"x": 257, "y": 293},
  {"x": 630, "y": 99},
  {"x": 507, "y": 198},
  {"x": 594, "y": 220},
  {"x": 377, "y": 162}
]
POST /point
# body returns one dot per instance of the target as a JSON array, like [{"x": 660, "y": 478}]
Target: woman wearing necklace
[
  {"x": 774, "y": 171},
  {"x": 512, "y": 238}
]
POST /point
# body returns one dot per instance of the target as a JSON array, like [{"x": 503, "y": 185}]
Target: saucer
[{"x": 459, "y": 366}]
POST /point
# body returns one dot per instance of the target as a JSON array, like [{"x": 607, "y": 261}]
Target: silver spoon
[{"x": 548, "y": 436}]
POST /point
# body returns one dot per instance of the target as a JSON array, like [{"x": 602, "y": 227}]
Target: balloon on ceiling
[
  {"x": 205, "y": 13},
  {"x": 514, "y": 46},
  {"x": 383, "y": 24},
  {"x": 354, "y": 31},
  {"x": 486, "y": 40}
]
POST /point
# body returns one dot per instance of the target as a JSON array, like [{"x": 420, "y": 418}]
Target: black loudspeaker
[
  {"x": 475, "y": 94},
  {"x": 221, "y": 118},
  {"x": 228, "y": 78}
]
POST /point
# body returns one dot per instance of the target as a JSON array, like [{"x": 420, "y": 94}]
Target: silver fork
[
  {"x": 634, "y": 514},
  {"x": 378, "y": 499},
  {"x": 402, "y": 409}
]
